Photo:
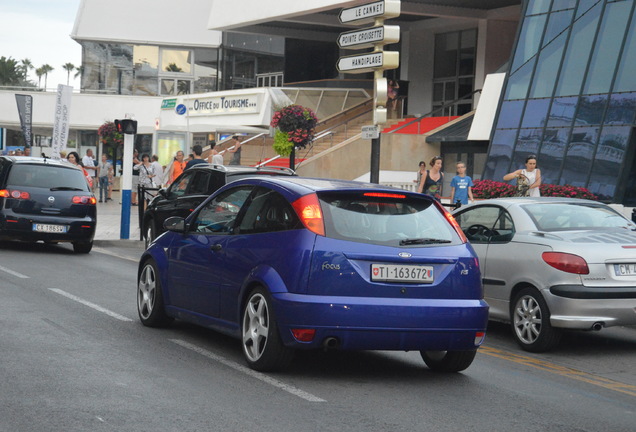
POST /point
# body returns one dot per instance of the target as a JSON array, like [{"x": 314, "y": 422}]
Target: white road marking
[
  {"x": 107, "y": 252},
  {"x": 254, "y": 374},
  {"x": 14, "y": 273},
  {"x": 91, "y": 305}
]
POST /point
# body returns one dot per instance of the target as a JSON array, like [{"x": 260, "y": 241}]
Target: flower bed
[{"x": 485, "y": 189}]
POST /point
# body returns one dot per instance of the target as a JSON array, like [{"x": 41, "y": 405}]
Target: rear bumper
[
  {"x": 79, "y": 229},
  {"x": 382, "y": 323},
  {"x": 580, "y": 307}
]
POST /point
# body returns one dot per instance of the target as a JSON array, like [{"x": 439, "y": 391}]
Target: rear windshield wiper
[
  {"x": 67, "y": 188},
  {"x": 407, "y": 242}
]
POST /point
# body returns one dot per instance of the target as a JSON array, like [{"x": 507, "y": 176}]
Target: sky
[{"x": 40, "y": 31}]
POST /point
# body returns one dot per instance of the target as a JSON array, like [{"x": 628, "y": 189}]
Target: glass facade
[
  {"x": 149, "y": 70},
  {"x": 570, "y": 97}
]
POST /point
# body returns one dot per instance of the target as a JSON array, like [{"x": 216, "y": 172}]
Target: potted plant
[{"x": 295, "y": 126}]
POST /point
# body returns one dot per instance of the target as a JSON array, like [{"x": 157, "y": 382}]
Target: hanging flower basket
[
  {"x": 295, "y": 128},
  {"x": 109, "y": 135}
]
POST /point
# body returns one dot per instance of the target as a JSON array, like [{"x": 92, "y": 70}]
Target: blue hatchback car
[{"x": 296, "y": 263}]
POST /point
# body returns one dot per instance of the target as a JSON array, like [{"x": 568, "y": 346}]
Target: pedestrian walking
[{"x": 103, "y": 171}]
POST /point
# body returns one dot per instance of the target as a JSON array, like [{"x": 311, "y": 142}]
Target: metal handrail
[{"x": 434, "y": 111}]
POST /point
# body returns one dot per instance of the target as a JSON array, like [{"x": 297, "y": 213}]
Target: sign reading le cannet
[
  {"x": 370, "y": 11},
  {"x": 220, "y": 105}
]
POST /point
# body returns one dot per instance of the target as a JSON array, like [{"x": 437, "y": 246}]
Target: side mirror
[
  {"x": 175, "y": 223},
  {"x": 163, "y": 192}
]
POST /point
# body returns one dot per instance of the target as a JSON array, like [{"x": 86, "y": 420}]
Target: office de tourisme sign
[{"x": 218, "y": 105}]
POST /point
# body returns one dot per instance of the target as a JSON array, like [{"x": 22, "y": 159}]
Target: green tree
[
  {"x": 46, "y": 68},
  {"x": 68, "y": 67},
  {"x": 39, "y": 72},
  {"x": 10, "y": 73},
  {"x": 26, "y": 66}
]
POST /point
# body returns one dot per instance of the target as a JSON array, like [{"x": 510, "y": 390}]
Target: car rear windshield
[
  {"x": 573, "y": 216},
  {"x": 47, "y": 176},
  {"x": 392, "y": 219}
]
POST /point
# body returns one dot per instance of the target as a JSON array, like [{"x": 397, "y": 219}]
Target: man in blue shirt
[{"x": 197, "y": 151}]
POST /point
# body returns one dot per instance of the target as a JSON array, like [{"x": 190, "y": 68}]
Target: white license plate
[
  {"x": 625, "y": 269},
  {"x": 401, "y": 273},
  {"x": 50, "y": 228}
]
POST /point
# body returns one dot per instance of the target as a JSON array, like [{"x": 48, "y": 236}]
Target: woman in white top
[{"x": 531, "y": 174}]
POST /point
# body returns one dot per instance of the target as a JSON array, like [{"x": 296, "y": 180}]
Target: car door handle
[{"x": 216, "y": 247}]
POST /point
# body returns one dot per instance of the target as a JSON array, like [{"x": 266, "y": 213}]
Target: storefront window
[{"x": 176, "y": 61}]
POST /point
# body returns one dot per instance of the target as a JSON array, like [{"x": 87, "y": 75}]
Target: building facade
[{"x": 570, "y": 97}]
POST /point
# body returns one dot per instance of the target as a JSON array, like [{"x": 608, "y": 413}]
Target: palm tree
[
  {"x": 10, "y": 73},
  {"x": 26, "y": 66},
  {"x": 79, "y": 71},
  {"x": 46, "y": 68},
  {"x": 39, "y": 72},
  {"x": 68, "y": 67}
]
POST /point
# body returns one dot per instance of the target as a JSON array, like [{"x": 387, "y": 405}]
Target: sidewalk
[{"x": 109, "y": 220}]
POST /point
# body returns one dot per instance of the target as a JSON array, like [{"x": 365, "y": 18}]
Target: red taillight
[
  {"x": 568, "y": 263},
  {"x": 15, "y": 194},
  {"x": 304, "y": 335},
  {"x": 83, "y": 199},
  {"x": 384, "y": 195},
  {"x": 310, "y": 213},
  {"x": 456, "y": 226}
]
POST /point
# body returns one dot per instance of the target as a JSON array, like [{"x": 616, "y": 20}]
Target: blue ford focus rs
[{"x": 294, "y": 263}]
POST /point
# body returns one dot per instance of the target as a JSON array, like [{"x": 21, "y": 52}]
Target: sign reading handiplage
[{"x": 218, "y": 105}]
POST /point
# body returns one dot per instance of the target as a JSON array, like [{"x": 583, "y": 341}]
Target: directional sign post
[{"x": 377, "y": 61}]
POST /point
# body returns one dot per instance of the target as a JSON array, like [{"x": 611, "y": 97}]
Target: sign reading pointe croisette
[
  {"x": 367, "y": 38},
  {"x": 219, "y": 105}
]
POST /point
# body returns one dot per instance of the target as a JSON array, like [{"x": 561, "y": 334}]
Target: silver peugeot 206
[{"x": 553, "y": 263}]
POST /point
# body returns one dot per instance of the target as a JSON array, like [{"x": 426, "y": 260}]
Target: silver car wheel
[
  {"x": 255, "y": 327},
  {"x": 146, "y": 292},
  {"x": 527, "y": 319}
]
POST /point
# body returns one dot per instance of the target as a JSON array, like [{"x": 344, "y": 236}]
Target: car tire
[
  {"x": 149, "y": 232},
  {"x": 150, "y": 304},
  {"x": 448, "y": 361},
  {"x": 82, "y": 247},
  {"x": 262, "y": 345},
  {"x": 530, "y": 319}
]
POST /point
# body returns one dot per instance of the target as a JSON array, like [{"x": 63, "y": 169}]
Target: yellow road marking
[{"x": 561, "y": 370}]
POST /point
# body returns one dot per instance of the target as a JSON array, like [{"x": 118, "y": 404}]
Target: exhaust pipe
[
  {"x": 330, "y": 343},
  {"x": 598, "y": 326}
]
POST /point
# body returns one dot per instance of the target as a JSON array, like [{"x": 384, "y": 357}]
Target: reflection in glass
[
  {"x": 607, "y": 48},
  {"x": 562, "y": 111},
  {"x": 205, "y": 70},
  {"x": 535, "y": 113},
  {"x": 558, "y": 22},
  {"x": 510, "y": 114},
  {"x": 585, "y": 6},
  {"x": 579, "y": 156},
  {"x": 538, "y": 6},
  {"x": 529, "y": 39},
  {"x": 591, "y": 109},
  {"x": 563, "y": 4},
  {"x": 551, "y": 154},
  {"x": 578, "y": 53},
  {"x": 625, "y": 78},
  {"x": 547, "y": 68},
  {"x": 527, "y": 144},
  {"x": 499, "y": 154},
  {"x": 519, "y": 81},
  {"x": 622, "y": 109},
  {"x": 609, "y": 157},
  {"x": 146, "y": 60},
  {"x": 176, "y": 61}
]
